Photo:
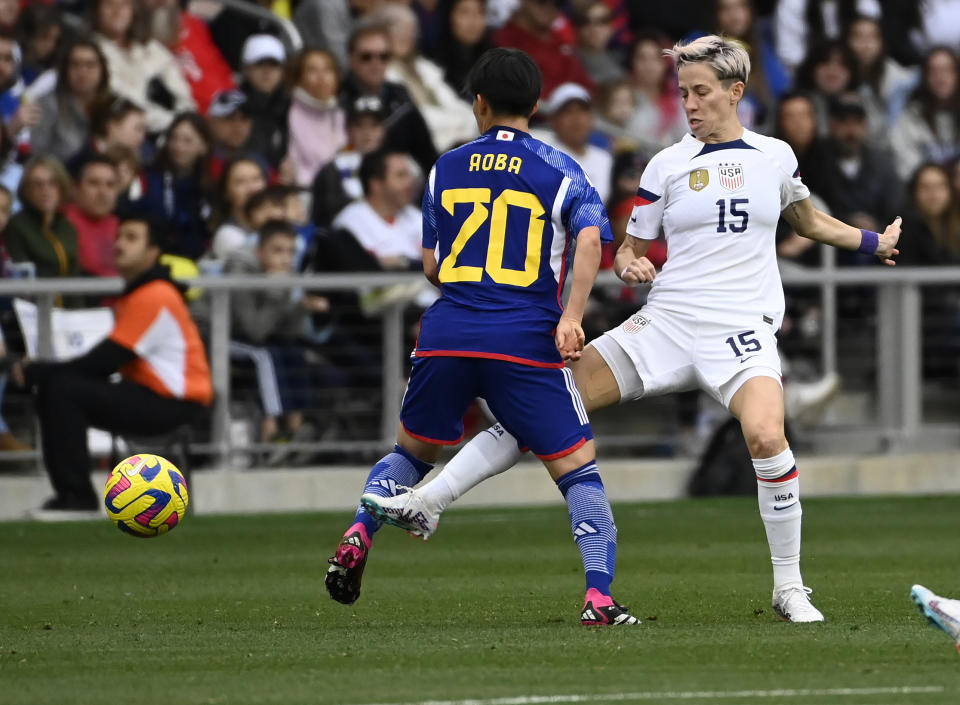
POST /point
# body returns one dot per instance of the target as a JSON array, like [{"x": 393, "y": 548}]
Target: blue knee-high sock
[
  {"x": 592, "y": 523},
  {"x": 397, "y": 468}
]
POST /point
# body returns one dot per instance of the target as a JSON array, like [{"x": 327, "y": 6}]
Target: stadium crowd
[{"x": 255, "y": 160}]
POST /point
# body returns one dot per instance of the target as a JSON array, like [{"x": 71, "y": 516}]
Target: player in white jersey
[{"x": 712, "y": 312}]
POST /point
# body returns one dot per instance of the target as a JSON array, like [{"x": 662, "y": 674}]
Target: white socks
[
  {"x": 491, "y": 452},
  {"x": 778, "y": 494}
]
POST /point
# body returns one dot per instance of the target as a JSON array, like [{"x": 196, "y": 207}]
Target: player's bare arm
[
  {"x": 569, "y": 337},
  {"x": 631, "y": 264},
  {"x": 430, "y": 267},
  {"x": 817, "y": 225}
]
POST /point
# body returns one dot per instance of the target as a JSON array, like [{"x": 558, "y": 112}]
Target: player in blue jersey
[{"x": 500, "y": 216}]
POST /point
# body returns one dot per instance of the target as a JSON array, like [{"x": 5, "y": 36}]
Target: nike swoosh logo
[
  {"x": 747, "y": 358},
  {"x": 777, "y": 509},
  {"x": 633, "y": 220}
]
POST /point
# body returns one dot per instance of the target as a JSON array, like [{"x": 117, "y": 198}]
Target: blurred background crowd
[{"x": 260, "y": 153}]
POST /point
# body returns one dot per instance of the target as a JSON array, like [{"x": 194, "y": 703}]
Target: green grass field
[{"x": 232, "y": 610}]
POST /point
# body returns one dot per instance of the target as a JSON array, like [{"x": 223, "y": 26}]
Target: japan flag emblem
[{"x": 731, "y": 176}]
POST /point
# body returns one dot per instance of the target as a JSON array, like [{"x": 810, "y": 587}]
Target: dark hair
[
  {"x": 794, "y": 95},
  {"x": 928, "y": 103},
  {"x": 138, "y": 31},
  {"x": 202, "y": 168},
  {"x": 820, "y": 54},
  {"x": 366, "y": 29},
  {"x": 79, "y": 168},
  {"x": 63, "y": 67},
  {"x": 273, "y": 228},
  {"x": 223, "y": 208},
  {"x": 112, "y": 108},
  {"x": 156, "y": 230},
  {"x": 274, "y": 193},
  {"x": 872, "y": 75},
  {"x": 374, "y": 166},
  {"x": 34, "y": 20},
  {"x": 508, "y": 80}
]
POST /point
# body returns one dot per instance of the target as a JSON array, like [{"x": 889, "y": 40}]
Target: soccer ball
[{"x": 145, "y": 495}]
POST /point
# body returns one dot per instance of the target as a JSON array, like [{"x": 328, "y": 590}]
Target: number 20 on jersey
[{"x": 480, "y": 198}]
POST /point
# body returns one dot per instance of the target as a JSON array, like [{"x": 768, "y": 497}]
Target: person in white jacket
[
  {"x": 449, "y": 119},
  {"x": 145, "y": 72}
]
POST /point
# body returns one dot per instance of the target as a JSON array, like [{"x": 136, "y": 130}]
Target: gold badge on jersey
[{"x": 699, "y": 179}]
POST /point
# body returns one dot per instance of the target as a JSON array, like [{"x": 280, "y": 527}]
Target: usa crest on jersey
[{"x": 731, "y": 176}]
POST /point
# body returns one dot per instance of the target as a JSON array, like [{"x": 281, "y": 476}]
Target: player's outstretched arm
[
  {"x": 631, "y": 264},
  {"x": 570, "y": 338},
  {"x": 817, "y": 225}
]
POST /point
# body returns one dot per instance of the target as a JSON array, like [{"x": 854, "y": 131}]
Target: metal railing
[{"x": 898, "y": 343}]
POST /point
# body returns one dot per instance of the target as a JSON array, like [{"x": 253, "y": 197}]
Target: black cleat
[{"x": 347, "y": 564}]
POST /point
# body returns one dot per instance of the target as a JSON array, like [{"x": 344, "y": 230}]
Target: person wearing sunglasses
[{"x": 406, "y": 130}]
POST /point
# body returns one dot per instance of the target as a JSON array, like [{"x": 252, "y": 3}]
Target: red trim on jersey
[
  {"x": 432, "y": 441},
  {"x": 568, "y": 451},
  {"x": 488, "y": 356}
]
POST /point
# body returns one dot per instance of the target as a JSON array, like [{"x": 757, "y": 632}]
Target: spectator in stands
[
  {"x": 230, "y": 129},
  {"x": 317, "y": 127},
  {"x": 406, "y": 130},
  {"x": 7, "y": 440},
  {"x": 858, "y": 182},
  {"x": 594, "y": 32},
  {"x": 464, "y": 38},
  {"x": 268, "y": 99},
  {"x": 40, "y": 233},
  {"x": 269, "y": 323},
  {"x": 9, "y": 14},
  {"x": 92, "y": 215},
  {"x": 615, "y": 106},
  {"x": 241, "y": 178},
  {"x": 130, "y": 186},
  {"x": 83, "y": 82},
  {"x": 115, "y": 122},
  {"x": 884, "y": 83},
  {"x": 338, "y": 183},
  {"x": 540, "y": 29},
  {"x": 383, "y": 221},
  {"x": 449, "y": 119},
  {"x": 796, "y": 125},
  {"x": 800, "y": 24},
  {"x": 176, "y": 187},
  {"x": 768, "y": 78},
  {"x": 17, "y": 115},
  {"x": 657, "y": 120},
  {"x": 142, "y": 70},
  {"x": 39, "y": 31},
  {"x": 570, "y": 112},
  {"x": 154, "y": 345},
  {"x": 188, "y": 39},
  {"x": 828, "y": 71},
  {"x": 929, "y": 129},
  {"x": 933, "y": 217}
]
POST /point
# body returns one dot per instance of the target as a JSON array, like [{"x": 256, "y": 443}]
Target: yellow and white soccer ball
[{"x": 146, "y": 495}]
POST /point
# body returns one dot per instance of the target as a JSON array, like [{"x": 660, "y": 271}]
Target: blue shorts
[{"x": 539, "y": 406}]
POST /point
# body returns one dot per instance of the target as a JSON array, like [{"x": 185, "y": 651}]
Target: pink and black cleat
[
  {"x": 603, "y": 610},
  {"x": 347, "y": 564}
]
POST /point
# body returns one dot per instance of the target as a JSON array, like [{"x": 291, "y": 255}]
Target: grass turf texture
[{"x": 233, "y": 610}]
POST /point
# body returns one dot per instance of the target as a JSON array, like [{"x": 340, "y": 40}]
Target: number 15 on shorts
[{"x": 743, "y": 343}]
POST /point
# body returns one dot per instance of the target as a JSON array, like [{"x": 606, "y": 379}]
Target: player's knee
[{"x": 764, "y": 439}]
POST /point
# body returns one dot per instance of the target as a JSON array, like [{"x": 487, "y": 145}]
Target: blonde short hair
[{"x": 728, "y": 59}]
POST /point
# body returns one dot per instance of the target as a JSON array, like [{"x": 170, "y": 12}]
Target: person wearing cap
[
  {"x": 230, "y": 127},
  {"x": 338, "y": 183},
  {"x": 858, "y": 181},
  {"x": 268, "y": 100},
  {"x": 407, "y": 131},
  {"x": 570, "y": 110}
]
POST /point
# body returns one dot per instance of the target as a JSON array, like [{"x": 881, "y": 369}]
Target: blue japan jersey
[{"x": 503, "y": 211}]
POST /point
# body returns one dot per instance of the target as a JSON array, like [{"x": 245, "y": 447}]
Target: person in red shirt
[
  {"x": 154, "y": 345},
  {"x": 540, "y": 29},
  {"x": 91, "y": 213}
]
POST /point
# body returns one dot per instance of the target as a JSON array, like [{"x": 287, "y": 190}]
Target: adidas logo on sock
[
  {"x": 389, "y": 485},
  {"x": 584, "y": 528}
]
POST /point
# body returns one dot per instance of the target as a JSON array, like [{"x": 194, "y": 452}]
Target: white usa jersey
[{"x": 718, "y": 205}]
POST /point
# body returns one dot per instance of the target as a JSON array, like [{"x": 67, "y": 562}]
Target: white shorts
[{"x": 657, "y": 351}]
